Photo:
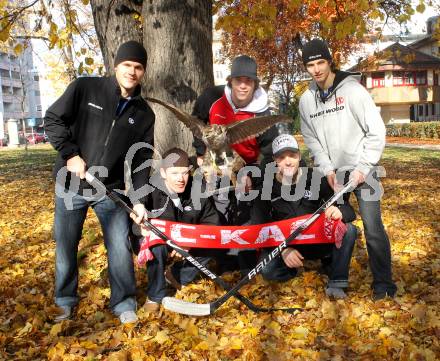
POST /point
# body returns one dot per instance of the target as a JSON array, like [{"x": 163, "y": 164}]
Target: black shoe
[{"x": 377, "y": 296}]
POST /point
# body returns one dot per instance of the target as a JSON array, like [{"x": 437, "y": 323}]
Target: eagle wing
[
  {"x": 194, "y": 124},
  {"x": 252, "y": 127}
]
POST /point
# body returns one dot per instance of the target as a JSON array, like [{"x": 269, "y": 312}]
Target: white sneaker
[{"x": 128, "y": 317}]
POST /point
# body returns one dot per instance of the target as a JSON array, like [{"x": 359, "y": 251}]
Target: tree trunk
[
  {"x": 115, "y": 24},
  {"x": 178, "y": 39}
]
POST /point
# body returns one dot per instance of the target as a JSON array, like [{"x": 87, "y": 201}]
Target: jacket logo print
[
  {"x": 307, "y": 194},
  {"x": 95, "y": 106},
  {"x": 131, "y": 120},
  {"x": 219, "y": 115},
  {"x": 187, "y": 208},
  {"x": 339, "y": 100}
]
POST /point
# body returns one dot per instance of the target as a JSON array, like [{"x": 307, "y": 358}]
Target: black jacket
[
  {"x": 159, "y": 204},
  {"x": 307, "y": 201},
  {"x": 201, "y": 110},
  {"x": 83, "y": 122}
]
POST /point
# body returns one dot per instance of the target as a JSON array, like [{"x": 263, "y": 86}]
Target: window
[
  {"x": 421, "y": 77},
  {"x": 37, "y": 93},
  {"x": 219, "y": 74},
  {"x": 398, "y": 78},
  {"x": 432, "y": 108},
  {"x": 409, "y": 78},
  {"x": 378, "y": 80},
  {"x": 36, "y": 78},
  {"x": 15, "y": 75},
  {"x": 436, "y": 76},
  {"x": 38, "y": 108},
  {"x": 218, "y": 54},
  {"x": 420, "y": 111}
]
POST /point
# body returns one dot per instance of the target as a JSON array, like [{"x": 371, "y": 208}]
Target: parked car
[{"x": 36, "y": 138}]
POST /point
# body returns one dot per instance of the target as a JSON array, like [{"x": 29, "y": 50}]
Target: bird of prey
[{"x": 218, "y": 138}]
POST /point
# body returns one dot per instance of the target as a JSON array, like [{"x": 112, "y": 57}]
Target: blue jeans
[
  {"x": 340, "y": 260},
  {"x": 378, "y": 244},
  {"x": 67, "y": 233}
]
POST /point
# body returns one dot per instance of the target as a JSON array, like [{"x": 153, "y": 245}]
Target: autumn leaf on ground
[{"x": 356, "y": 328}]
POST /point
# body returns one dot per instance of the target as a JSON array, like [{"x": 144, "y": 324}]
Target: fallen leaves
[{"x": 353, "y": 329}]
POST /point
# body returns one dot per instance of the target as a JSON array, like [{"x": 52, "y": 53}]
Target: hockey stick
[
  {"x": 196, "y": 309},
  {"x": 113, "y": 196}
]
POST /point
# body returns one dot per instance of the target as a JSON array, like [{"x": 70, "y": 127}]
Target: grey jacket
[{"x": 344, "y": 130}]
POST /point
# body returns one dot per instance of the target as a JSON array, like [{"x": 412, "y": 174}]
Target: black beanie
[
  {"x": 244, "y": 65},
  {"x": 315, "y": 49},
  {"x": 131, "y": 51}
]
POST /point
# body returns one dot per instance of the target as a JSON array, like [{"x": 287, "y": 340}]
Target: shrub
[{"x": 415, "y": 130}]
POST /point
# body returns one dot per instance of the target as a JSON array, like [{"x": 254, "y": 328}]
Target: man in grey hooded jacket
[{"x": 345, "y": 133}]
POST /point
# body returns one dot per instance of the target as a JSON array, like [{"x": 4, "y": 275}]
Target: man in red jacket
[{"x": 242, "y": 98}]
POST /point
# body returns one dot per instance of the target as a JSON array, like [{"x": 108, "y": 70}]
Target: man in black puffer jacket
[{"x": 93, "y": 125}]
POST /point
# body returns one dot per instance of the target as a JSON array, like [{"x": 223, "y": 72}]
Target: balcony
[
  {"x": 4, "y": 65},
  {"x": 12, "y": 114},
  {"x": 10, "y": 98},
  {"x": 14, "y": 82},
  {"x": 7, "y": 66},
  {"x": 405, "y": 94}
]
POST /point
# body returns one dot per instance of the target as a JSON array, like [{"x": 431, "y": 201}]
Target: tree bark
[
  {"x": 115, "y": 24},
  {"x": 178, "y": 39}
]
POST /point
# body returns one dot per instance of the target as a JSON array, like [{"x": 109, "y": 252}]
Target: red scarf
[{"x": 323, "y": 230}]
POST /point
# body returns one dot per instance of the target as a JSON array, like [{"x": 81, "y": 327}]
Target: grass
[{"x": 20, "y": 162}]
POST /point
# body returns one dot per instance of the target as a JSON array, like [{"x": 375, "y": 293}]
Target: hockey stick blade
[
  {"x": 206, "y": 309},
  {"x": 186, "y": 308}
]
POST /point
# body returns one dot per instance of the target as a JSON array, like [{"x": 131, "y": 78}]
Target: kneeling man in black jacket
[
  {"x": 171, "y": 200},
  {"x": 295, "y": 192}
]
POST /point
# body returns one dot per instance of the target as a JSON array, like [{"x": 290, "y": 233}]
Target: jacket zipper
[{"x": 109, "y": 132}]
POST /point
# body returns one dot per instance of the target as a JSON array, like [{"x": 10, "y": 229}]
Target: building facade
[
  {"x": 404, "y": 80},
  {"x": 20, "y": 91}
]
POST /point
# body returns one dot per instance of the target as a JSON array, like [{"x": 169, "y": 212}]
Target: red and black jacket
[{"x": 212, "y": 106}]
